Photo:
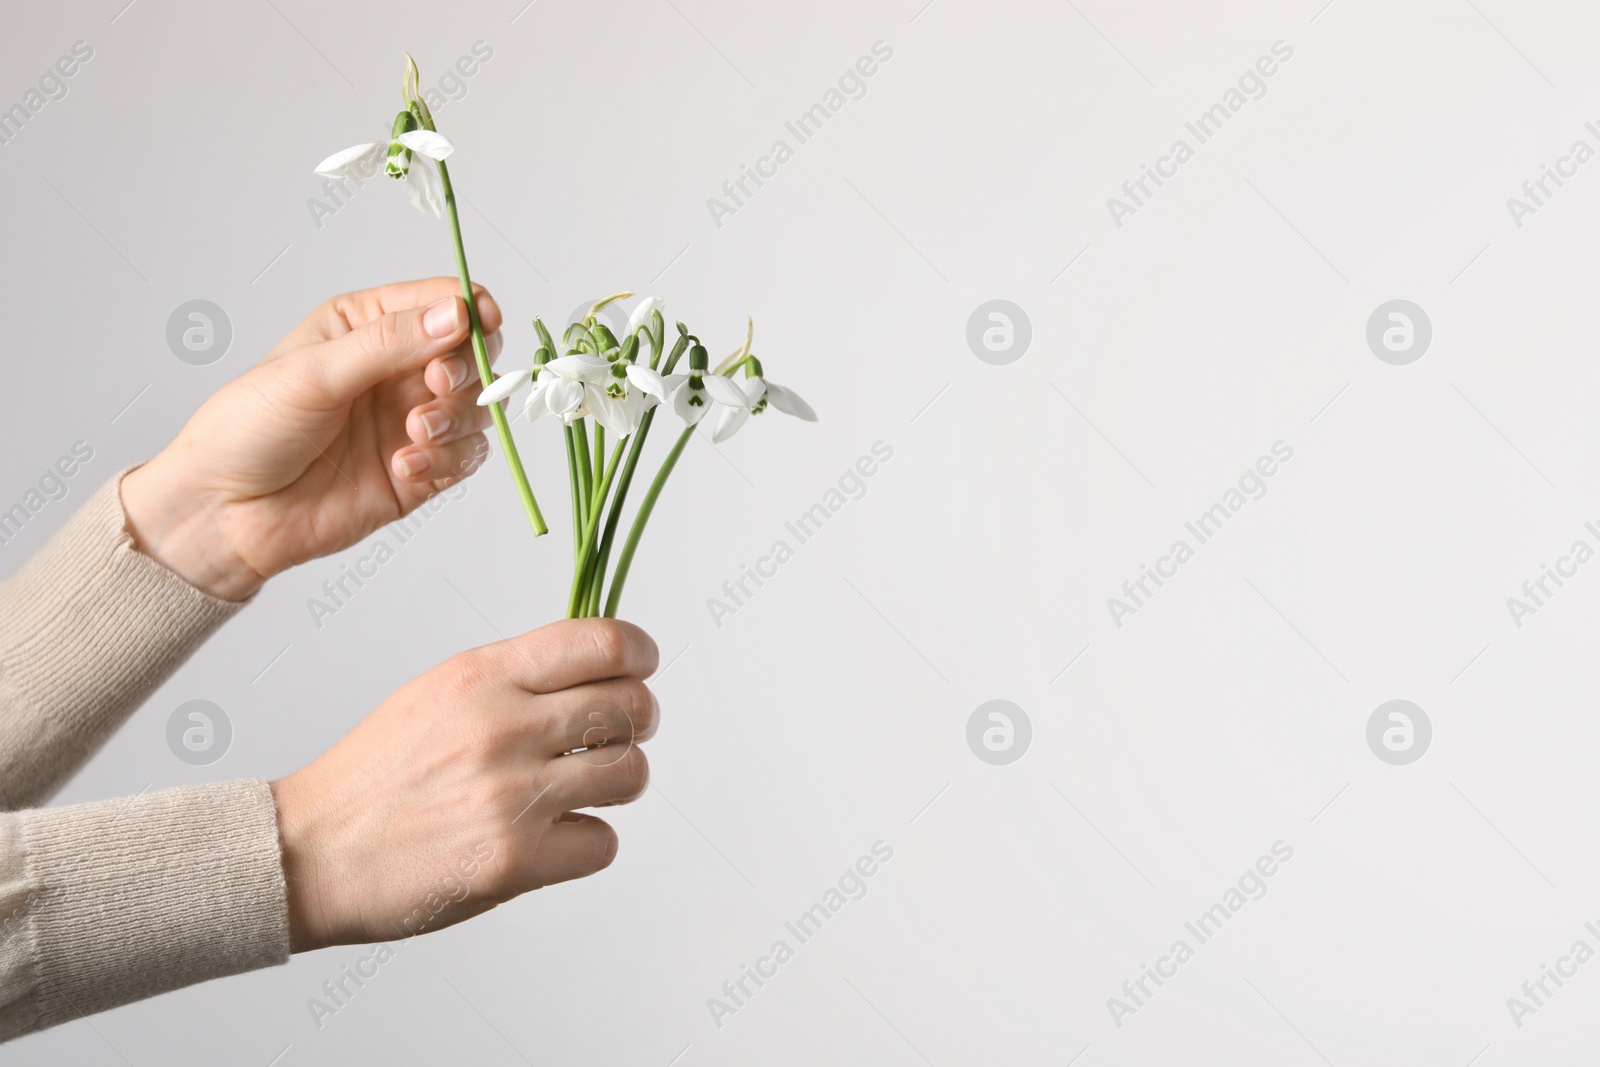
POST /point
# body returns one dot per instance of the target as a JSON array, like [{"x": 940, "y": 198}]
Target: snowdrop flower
[
  {"x": 558, "y": 386},
  {"x": 615, "y": 400},
  {"x": 422, "y": 183},
  {"x": 757, "y": 394},
  {"x": 690, "y": 395},
  {"x": 621, "y": 413},
  {"x": 566, "y": 387}
]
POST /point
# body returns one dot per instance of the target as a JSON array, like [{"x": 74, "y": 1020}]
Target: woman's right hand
[{"x": 458, "y": 792}]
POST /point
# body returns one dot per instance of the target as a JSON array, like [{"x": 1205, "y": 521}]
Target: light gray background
[{"x": 831, "y": 712}]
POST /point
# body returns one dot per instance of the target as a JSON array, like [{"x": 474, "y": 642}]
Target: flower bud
[
  {"x": 410, "y": 91},
  {"x": 410, "y": 80},
  {"x": 603, "y": 336},
  {"x": 544, "y": 333},
  {"x": 678, "y": 349},
  {"x": 544, "y": 355}
]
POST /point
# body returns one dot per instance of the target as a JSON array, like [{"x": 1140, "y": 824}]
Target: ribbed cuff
[
  {"x": 106, "y": 903},
  {"x": 89, "y": 627}
]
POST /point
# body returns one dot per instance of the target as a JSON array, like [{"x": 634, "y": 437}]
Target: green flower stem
[
  {"x": 597, "y": 572},
  {"x": 599, "y": 462},
  {"x": 572, "y": 480},
  {"x": 581, "y": 574},
  {"x": 580, "y": 441},
  {"x": 481, "y": 351},
  {"x": 588, "y": 584},
  {"x": 625, "y": 561},
  {"x": 635, "y": 450}
]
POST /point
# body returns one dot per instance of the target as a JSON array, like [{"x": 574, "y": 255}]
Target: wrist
[
  {"x": 307, "y": 926},
  {"x": 172, "y": 523}
]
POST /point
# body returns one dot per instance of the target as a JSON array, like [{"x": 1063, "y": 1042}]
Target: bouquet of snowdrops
[{"x": 595, "y": 377}]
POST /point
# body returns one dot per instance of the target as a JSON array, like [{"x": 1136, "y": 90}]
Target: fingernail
[
  {"x": 414, "y": 463},
  {"x": 455, "y": 372},
  {"x": 435, "y": 423},
  {"x": 442, "y": 317}
]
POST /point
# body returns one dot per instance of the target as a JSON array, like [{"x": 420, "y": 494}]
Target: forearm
[
  {"x": 102, "y": 904},
  {"x": 89, "y": 627}
]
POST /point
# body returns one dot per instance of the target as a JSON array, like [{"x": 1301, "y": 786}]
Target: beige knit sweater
[{"x": 105, "y": 903}]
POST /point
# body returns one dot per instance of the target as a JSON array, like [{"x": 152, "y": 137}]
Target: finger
[
  {"x": 574, "y": 846},
  {"x": 572, "y": 652},
  {"x": 391, "y": 345},
  {"x": 581, "y": 781},
  {"x": 350, "y": 311},
  {"x": 600, "y": 714},
  {"x": 439, "y": 422},
  {"x": 459, "y": 370},
  {"x": 440, "y": 466}
]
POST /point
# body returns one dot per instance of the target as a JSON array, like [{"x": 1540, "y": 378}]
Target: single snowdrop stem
[
  {"x": 646, "y": 506},
  {"x": 580, "y": 440},
  {"x": 577, "y": 489},
  {"x": 480, "y": 352}
]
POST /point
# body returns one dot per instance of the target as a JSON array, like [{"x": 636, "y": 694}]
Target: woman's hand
[
  {"x": 456, "y": 793},
  {"x": 364, "y": 411}
]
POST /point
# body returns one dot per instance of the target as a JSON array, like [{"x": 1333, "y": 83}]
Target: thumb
[{"x": 391, "y": 344}]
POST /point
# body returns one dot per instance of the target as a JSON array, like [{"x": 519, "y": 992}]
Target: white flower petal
[
  {"x": 579, "y": 367},
  {"x": 563, "y": 396},
  {"x": 754, "y": 389},
  {"x": 638, "y": 404},
  {"x": 582, "y": 411},
  {"x": 503, "y": 387},
  {"x": 647, "y": 381},
  {"x": 362, "y": 161},
  {"x": 619, "y": 415},
  {"x": 425, "y": 189},
  {"x": 427, "y": 143},
  {"x": 608, "y": 412},
  {"x": 641, "y": 314},
  {"x": 728, "y": 422},
  {"x": 724, "y": 390},
  {"x": 788, "y": 401},
  {"x": 690, "y": 413},
  {"x": 538, "y": 405}
]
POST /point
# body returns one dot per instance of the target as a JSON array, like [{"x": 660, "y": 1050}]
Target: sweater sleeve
[
  {"x": 106, "y": 903},
  {"x": 89, "y": 628},
  {"x": 110, "y": 902}
]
